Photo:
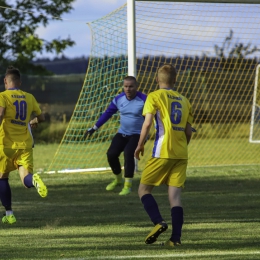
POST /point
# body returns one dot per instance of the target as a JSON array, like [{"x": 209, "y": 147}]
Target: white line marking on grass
[
  {"x": 218, "y": 253},
  {"x": 223, "y": 165},
  {"x": 104, "y": 170}
]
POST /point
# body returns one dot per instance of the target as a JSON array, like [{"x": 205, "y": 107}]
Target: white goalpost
[
  {"x": 131, "y": 25},
  {"x": 254, "y": 136}
]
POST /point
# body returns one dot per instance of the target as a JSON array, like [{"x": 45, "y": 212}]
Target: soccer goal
[
  {"x": 215, "y": 47},
  {"x": 255, "y": 117}
]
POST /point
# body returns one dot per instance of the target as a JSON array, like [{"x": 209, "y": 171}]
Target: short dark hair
[
  {"x": 13, "y": 72},
  {"x": 131, "y": 78}
]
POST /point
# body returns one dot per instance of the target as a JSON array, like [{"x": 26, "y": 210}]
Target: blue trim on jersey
[
  {"x": 13, "y": 89},
  {"x": 156, "y": 135},
  {"x": 111, "y": 110},
  {"x": 119, "y": 96},
  {"x": 141, "y": 95}
]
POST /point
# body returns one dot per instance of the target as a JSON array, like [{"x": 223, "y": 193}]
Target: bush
[{"x": 49, "y": 132}]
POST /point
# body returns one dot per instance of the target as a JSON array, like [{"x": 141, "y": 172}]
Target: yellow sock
[{"x": 128, "y": 182}]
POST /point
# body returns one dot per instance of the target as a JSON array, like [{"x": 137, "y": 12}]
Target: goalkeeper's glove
[{"x": 90, "y": 131}]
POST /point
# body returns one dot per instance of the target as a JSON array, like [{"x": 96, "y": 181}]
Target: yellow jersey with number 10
[
  {"x": 172, "y": 112},
  {"x": 15, "y": 131}
]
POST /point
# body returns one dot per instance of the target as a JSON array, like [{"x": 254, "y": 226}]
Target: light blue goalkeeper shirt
[{"x": 131, "y": 119}]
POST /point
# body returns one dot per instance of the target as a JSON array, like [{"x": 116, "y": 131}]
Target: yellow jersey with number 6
[
  {"x": 15, "y": 131},
  {"x": 172, "y": 112}
]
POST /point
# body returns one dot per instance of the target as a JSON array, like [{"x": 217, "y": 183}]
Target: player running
[{"x": 16, "y": 142}]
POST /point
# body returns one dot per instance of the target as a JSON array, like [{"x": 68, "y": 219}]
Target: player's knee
[
  {"x": 111, "y": 156},
  {"x": 142, "y": 190},
  {"x": 129, "y": 155}
]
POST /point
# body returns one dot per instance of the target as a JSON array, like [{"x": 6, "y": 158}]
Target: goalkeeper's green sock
[
  {"x": 128, "y": 183},
  {"x": 127, "y": 187}
]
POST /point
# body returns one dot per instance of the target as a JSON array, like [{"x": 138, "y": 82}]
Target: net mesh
[
  {"x": 255, "y": 120},
  {"x": 215, "y": 50}
]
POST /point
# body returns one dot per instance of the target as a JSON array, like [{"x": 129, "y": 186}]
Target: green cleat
[
  {"x": 113, "y": 184},
  {"x": 156, "y": 232},
  {"x": 39, "y": 185},
  {"x": 9, "y": 219},
  {"x": 125, "y": 191},
  {"x": 169, "y": 243}
]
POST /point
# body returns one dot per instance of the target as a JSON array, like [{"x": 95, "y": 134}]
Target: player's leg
[
  {"x": 152, "y": 176},
  {"x": 152, "y": 209},
  {"x": 115, "y": 149},
  {"x": 25, "y": 167},
  {"x": 129, "y": 163},
  {"x": 6, "y": 166},
  {"x": 175, "y": 184},
  {"x": 176, "y": 215},
  {"x": 6, "y": 200}
]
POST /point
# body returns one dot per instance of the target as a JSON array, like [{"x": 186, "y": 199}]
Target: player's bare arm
[
  {"x": 38, "y": 119},
  {"x": 188, "y": 132},
  {"x": 148, "y": 121}
]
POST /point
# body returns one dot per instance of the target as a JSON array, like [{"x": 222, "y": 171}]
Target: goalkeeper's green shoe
[
  {"x": 156, "y": 231},
  {"x": 125, "y": 191},
  {"x": 9, "y": 219},
  {"x": 40, "y": 186},
  {"x": 113, "y": 184}
]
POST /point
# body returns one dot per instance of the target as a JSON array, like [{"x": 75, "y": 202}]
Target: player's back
[
  {"x": 15, "y": 130},
  {"x": 173, "y": 113}
]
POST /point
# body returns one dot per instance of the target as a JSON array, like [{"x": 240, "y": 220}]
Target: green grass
[{"x": 81, "y": 220}]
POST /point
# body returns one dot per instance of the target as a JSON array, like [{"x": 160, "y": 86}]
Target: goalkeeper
[{"x": 130, "y": 106}]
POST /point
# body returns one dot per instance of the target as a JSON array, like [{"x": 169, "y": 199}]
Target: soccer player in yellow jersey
[
  {"x": 173, "y": 116},
  {"x": 16, "y": 141}
]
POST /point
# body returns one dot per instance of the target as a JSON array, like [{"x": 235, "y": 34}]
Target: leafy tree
[
  {"x": 18, "y": 22},
  {"x": 235, "y": 55},
  {"x": 238, "y": 50}
]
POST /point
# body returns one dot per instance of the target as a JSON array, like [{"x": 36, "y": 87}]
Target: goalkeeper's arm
[{"x": 111, "y": 110}]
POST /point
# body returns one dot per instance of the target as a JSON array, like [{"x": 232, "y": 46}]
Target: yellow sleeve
[
  {"x": 2, "y": 101},
  {"x": 149, "y": 106}
]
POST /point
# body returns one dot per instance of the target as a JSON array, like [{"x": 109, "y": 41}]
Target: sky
[
  {"x": 75, "y": 25},
  {"x": 193, "y": 33}
]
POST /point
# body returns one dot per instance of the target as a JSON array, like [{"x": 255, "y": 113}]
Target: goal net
[
  {"x": 255, "y": 118},
  {"x": 215, "y": 48}
]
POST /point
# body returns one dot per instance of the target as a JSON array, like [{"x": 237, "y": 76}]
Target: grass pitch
[{"x": 81, "y": 220}]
